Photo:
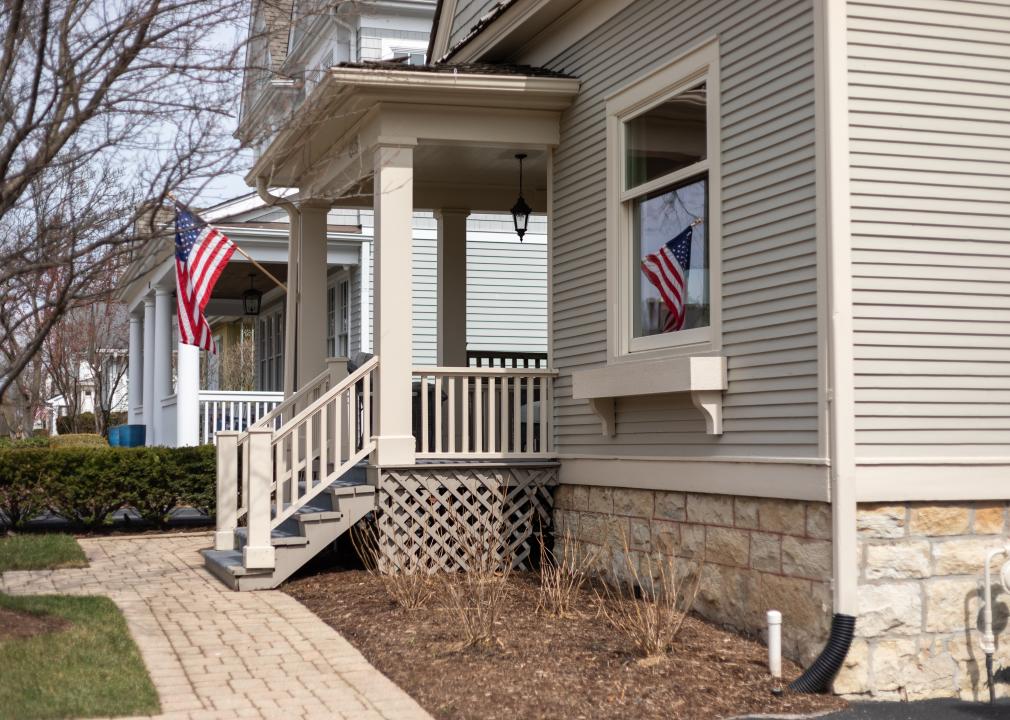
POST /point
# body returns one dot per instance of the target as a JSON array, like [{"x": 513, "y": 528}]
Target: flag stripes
[{"x": 201, "y": 254}]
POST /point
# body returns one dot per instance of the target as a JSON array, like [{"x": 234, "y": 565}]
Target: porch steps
[{"x": 299, "y": 538}]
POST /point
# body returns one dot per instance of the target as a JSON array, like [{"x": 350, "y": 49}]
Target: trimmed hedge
[
  {"x": 86, "y": 484},
  {"x": 78, "y": 440}
]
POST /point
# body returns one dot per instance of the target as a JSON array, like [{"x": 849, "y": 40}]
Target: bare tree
[{"x": 105, "y": 108}]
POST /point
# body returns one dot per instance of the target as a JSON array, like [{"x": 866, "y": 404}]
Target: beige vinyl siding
[
  {"x": 768, "y": 252},
  {"x": 929, "y": 94},
  {"x": 468, "y": 12}
]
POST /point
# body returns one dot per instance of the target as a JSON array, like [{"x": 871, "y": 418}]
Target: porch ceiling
[
  {"x": 234, "y": 280},
  {"x": 466, "y": 130}
]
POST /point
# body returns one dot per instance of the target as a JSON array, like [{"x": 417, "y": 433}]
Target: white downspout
[
  {"x": 841, "y": 374},
  {"x": 988, "y": 639},
  {"x": 290, "y": 304}
]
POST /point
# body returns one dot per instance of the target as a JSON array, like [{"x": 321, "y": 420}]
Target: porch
[{"x": 422, "y": 443}]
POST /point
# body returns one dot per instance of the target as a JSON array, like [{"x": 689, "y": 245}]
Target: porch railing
[
  {"x": 233, "y": 410},
  {"x": 506, "y": 359},
  {"x": 265, "y": 475},
  {"x": 482, "y": 413}
]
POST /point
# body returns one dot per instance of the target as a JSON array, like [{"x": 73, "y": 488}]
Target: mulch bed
[
  {"x": 14, "y": 625},
  {"x": 544, "y": 667}
]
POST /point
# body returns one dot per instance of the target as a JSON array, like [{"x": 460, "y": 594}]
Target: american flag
[
  {"x": 201, "y": 252},
  {"x": 667, "y": 270}
]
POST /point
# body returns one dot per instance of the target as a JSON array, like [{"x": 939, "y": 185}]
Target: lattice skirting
[{"x": 427, "y": 515}]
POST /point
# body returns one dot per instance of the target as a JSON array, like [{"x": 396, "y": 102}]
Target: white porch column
[
  {"x": 291, "y": 304},
  {"x": 187, "y": 396},
  {"x": 135, "y": 370},
  {"x": 365, "y": 276},
  {"x": 311, "y": 344},
  {"x": 451, "y": 321},
  {"x": 394, "y": 209},
  {"x": 162, "y": 358},
  {"x": 148, "y": 359}
]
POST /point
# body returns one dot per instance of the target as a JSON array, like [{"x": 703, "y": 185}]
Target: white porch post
[
  {"x": 135, "y": 370},
  {"x": 187, "y": 396},
  {"x": 311, "y": 345},
  {"x": 291, "y": 304},
  {"x": 451, "y": 321},
  {"x": 394, "y": 209},
  {"x": 148, "y": 359},
  {"x": 365, "y": 276},
  {"x": 162, "y": 358}
]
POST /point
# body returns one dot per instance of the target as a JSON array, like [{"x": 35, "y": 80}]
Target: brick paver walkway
[{"x": 215, "y": 654}]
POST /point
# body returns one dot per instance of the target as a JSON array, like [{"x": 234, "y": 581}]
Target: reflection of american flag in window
[{"x": 667, "y": 270}]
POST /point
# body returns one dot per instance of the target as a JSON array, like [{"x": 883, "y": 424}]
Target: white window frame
[
  {"x": 338, "y": 315},
  {"x": 643, "y": 94}
]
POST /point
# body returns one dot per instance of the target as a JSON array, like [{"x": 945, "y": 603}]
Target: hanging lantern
[
  {"x": 252, "y": 298},
  {"x": 521, "y": 210}
]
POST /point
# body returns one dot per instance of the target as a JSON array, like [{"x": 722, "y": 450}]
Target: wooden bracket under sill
[{"x": 703, "y": 377}]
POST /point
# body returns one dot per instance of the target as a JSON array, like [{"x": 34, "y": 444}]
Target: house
[
  {"x": 776, "y": 233},
  {"x": 113, "y": 385}
]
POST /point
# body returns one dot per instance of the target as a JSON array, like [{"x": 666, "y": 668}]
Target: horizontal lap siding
[
  {"x": 468, "y": 12},
  {"x": 929, "y": 111},
  {"x": 768, "y": 253}
]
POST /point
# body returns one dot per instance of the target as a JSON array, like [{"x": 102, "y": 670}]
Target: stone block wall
[
  {"x": 920, "y": 601},
  {"x": 759, "y": 553}
]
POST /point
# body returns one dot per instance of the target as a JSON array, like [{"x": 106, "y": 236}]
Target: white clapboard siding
[
  {"x": 468, "y": 12},
  {"x": 929, "y": 93},
  {"x": 768, "y": 215}
]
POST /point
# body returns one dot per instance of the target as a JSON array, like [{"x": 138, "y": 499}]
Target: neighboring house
[
  {"x": 813, "y": 401},
  {"x": 506, "y": 312},
  {"x": 115, "y": 382}
]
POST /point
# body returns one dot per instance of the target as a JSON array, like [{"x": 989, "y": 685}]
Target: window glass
[
  {"x": 665, "y": 138},
  {"x": 670, "y": 242},
  {"x": 331, "y": 319}
]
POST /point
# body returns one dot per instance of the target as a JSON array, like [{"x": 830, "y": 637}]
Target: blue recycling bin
[
  {"x": 132, "y": 435},
  {"x": 114, "y": 435}
]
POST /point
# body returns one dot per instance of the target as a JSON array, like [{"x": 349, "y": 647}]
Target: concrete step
[
  {"x": 277, "y": 538},
  {"x": 226, "y": 566},
  {"x": 300, "y": 537}
]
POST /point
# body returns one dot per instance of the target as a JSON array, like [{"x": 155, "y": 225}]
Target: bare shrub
[
  {"x": 645, "y": 596},
  {"x": 406, "y": 573},
  {"x": 475, "y": 595},
  {"x": 562, "y": 575}
]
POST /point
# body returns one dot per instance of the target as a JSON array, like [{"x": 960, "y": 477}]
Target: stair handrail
[
  {"x": 351, "y": 379},
  {"x": 354, "y": 457},
  {"x": 313, "y": 384}
]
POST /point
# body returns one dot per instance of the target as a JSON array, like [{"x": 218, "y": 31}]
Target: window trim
[{"x": 697, "y": 65}]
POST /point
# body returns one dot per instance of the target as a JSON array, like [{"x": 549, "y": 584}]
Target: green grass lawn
[
  {"x": 40, "y": 552},
  {"x": 90, "y": 668}
]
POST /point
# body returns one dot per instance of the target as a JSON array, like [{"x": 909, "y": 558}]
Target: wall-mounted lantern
[
  {"x": 252, "y": 298},
  {"x": 521, "y": 210}
]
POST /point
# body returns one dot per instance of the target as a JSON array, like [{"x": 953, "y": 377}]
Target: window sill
[{"x": 703, "y": 377}]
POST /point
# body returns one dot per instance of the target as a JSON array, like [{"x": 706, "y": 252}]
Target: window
[
  {"x": 270, "y": 349},
  {"x": 409, "y": 56},
  {"x": 663, "y": 211},
  {"x": 338, "y": 319}
]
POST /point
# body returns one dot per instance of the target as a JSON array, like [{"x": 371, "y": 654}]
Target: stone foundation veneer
[
  {"x": 920, "y": 583},
  {"x": 760, "y": 554}
]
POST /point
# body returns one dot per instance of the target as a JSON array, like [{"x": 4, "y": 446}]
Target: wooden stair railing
[{"x": 283, "y": 469}]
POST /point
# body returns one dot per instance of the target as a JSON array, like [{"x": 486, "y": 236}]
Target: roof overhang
[{"x": 326, "y": 150}]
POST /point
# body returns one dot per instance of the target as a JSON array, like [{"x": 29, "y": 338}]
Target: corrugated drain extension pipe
[{"x": 817, "y": 677}]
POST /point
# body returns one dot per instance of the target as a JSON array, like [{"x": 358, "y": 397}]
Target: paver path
[{"x": 214, "y": 653}]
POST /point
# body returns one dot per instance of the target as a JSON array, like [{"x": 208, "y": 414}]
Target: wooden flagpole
[{"x": 248, "y": 257}]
